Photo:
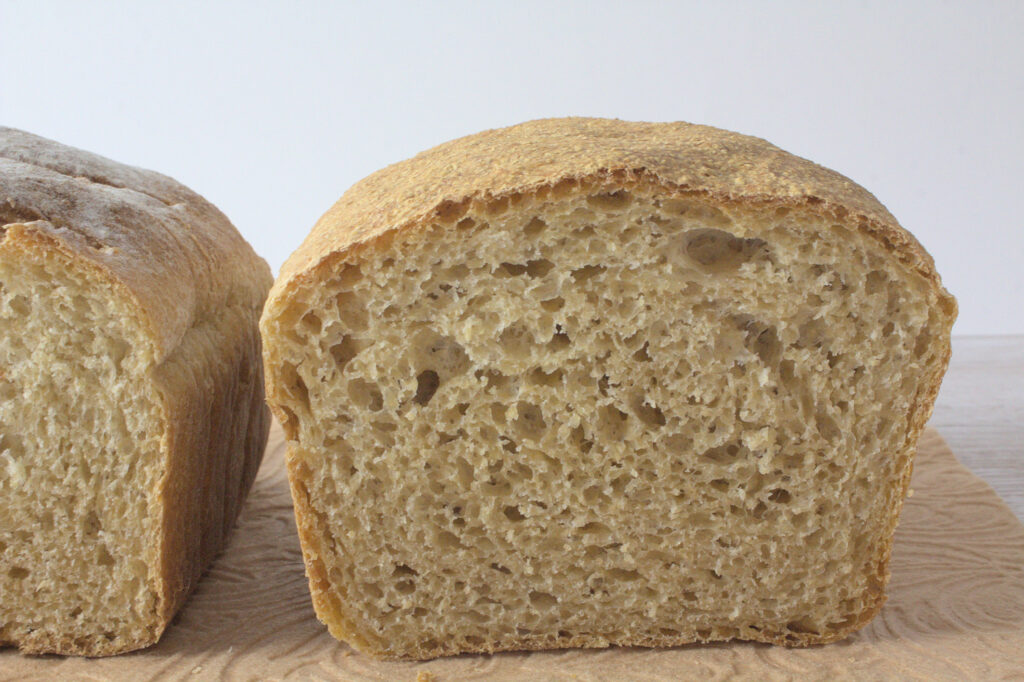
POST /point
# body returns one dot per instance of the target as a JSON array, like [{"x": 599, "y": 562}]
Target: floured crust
[
  {"x": 197, "y": 288},
  {"x": 499, "y": 166},
  {"x": 178, "y": 256}
]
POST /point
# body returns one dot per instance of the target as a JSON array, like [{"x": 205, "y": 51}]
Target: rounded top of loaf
[
  {"x": 177, "y": 256},
  {"x": 680, "y": 158}
]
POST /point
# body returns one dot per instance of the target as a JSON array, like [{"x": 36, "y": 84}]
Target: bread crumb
[
  {"x": 910, "y": 493},
  {"x": 425, "y": 676}
]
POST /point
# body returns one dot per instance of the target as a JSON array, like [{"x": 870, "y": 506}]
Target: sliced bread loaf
[
  {"x": 585, "y": 382},
  {"x": 131, "y": 395}
]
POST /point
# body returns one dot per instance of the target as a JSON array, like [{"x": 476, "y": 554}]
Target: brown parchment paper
[{"x": 955, "y": 610}]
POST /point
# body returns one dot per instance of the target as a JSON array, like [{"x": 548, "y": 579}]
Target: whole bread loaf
[
  {"x": 586, "y": 382},
  {"x": 132, "y": 419}
]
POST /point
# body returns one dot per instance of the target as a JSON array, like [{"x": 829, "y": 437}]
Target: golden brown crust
[
  {"x": 541, "y": 156},
  {"x": 197, "y": 288},
  {"x": 679, "y": 157},
  {"x": 312, "y": 535}
]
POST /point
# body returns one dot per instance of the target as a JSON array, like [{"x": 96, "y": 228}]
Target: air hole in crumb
[
  {"x": 493, "y": 377},
  {"x": 595, "y": 497},
  {"x": 719, "y": 484},
  {"x": 103, "y": 557},
  {"x": 577, "y": 437},
  {"x": 530, "y": 423},
  {"x": 779, "y": 495},
  {"x": 720, "y": 251},
  {"x": 559, "y": 341},
  {"x": 764, "y": 342},
  {"x": 623, "y": 575},
  {"x": 449, "y": 211},
  {"x": 812, "y": 333},
  {"x": 875, "y": 282},
  {"x": 827, "y": 426},
  {"x": 553, "y": 304},
  {"x": 787, "y": 371},
  {"x": 563, "y": 188},
  {"x": 541, "y": 378},
  {"x": 539, "y": 268},
  {"x": 649, "y": 414},
  {"x": 442, "y": 353},
  {"x": 697, "y": 211},
  {"x": 365, "y": 394},
  {"x": 448, "y": 540},
  {"x": 426, "y": 386},
  {"x": 642, "y": 355},
  {"x": 534, "y": 227},
  {"x": 515, "y": 340},
  {"x": 512, "y": 269},
  {"x": 612, "y": 422},
  {"x": 723, "y": 454},
  {"x": 497, "y": 206},
  {"x": 587, "y": 272},
  {"x": 513, "y": 514},
  {"x": 313, "y": 322},
  {"x": 542, "y": 601},
  {"x": 352, "y": 311},
  {"x": 18, "y": 573},
  {"x": 344, "y": 351},
  {"x": 349, "y": 276},
  {"x": 92, "y": 525},
  {"x": 802, "y": 626},
  {"x": 500, "y": 569},
  {"x": 612, "y": 201}
]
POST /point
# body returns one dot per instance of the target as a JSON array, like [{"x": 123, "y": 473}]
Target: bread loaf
[
  {"x": 131, "y": 395},
  {"x": 585, "y": 382}
]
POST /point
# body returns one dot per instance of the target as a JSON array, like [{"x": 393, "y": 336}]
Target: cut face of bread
[
  {"x": 131, "y": 405},
  {"x": 79, "y": 516},
  {"x": 603, "y": 411}
]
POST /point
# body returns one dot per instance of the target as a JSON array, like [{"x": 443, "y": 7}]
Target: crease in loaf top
[{"x": 135, "y": 228}]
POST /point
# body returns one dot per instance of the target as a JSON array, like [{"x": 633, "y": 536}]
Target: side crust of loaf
[
  {"x": 496, "y": 171},
  {"x": 190, "y": 290}
]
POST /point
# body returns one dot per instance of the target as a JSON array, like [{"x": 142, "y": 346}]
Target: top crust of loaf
[
  {"x": 136, "y": 228},
  {"x": 682, "y": 158}
]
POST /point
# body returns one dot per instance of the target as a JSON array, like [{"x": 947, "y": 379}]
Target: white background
[{"x": 271, "y": 110}]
